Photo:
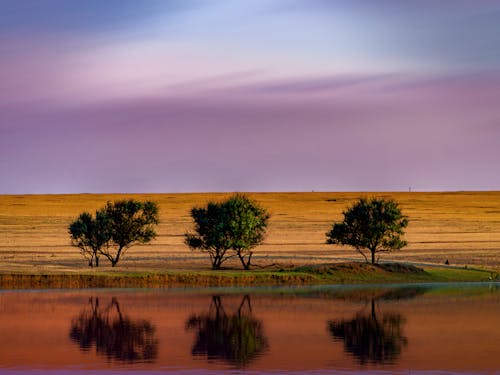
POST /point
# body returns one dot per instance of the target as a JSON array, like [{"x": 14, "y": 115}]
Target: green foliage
[
  {"x": 114, "y": 229},
  {"x": 238, "y": 224},
  {"x": 129, "y": 222},
  {"x": 246, "y": 226},
  {"x": 90, "y": 235},
  {"x": 374, "y": 224},
  {"x": 211, "y": 235}
]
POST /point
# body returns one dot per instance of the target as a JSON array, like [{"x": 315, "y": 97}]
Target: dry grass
[{"x": 462, "y": 227}]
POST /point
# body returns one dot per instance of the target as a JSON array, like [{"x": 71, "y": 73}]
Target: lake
[{"x": 403, "y": 329}]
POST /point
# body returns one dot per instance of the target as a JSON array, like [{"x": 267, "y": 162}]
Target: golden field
[{"x": 463, "y": 227}]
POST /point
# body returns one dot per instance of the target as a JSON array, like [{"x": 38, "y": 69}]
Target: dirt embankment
[
  {"x": 332, "y": 273},
  {"x": 23, "y": 281}
]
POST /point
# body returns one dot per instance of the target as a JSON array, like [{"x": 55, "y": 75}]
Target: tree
[
  {"x": 128, "y": 222},
  {"x": 247, "y": 224},
  {"x": 373, "y": 224},
  {"x": 90, "y": 235},
  {"x": 237, "y": 224},
  {"x": 211, "y": 234}
]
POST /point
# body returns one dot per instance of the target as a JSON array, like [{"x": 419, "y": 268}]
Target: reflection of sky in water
[
  {"x": 235, "y": 337},
  {"x": 111, "y": 333},
  {"x": 245, "y": 372},
  {"x": 263, "y": 330},
  {"x": 371, "y": 337}
]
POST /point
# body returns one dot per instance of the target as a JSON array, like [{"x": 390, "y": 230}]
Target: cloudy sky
[{"x": 249, "y": 95}]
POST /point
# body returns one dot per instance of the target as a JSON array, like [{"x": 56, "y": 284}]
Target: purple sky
[{"x": 249, "y": 95}]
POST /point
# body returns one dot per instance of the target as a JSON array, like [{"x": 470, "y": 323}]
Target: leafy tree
[
  {"x": 373, "y": 224},
  {"x": 128, "y": 222},
  {"x": 90, "y": 235},
  {"x": 211, "y": 234},
  {"x": 247, "y": 224},
  {"x": 238, "y": 224}
]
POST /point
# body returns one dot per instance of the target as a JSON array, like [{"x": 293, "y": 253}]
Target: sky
[{"x": 249, "y": 95}]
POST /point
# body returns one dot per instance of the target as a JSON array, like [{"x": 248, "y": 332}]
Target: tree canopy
[
  {"x": 375, "y": 224},
  {"x": 129, "y": 222},
  {"x": 246, "y": 225},
  {"x": 114, "y": 229},
  {"x": 237, "y": 224},
  {"x": 90, "y": 234},
  {"x": 211, "y": 237}
]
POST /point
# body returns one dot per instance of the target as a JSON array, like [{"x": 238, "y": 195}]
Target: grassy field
[{"x": 462, "y": 227}]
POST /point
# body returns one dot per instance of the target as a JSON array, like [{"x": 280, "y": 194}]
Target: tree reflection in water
[
  {"x": 114, "y": 334},
  {"x": 236, "y": 338},
  {"x": 371, "y": 339}
]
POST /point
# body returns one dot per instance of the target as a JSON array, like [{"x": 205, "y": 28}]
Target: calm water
[{"x": 413, "y": 329}]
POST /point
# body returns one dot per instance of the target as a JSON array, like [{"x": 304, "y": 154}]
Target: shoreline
[{"x": 340, "y": 273}]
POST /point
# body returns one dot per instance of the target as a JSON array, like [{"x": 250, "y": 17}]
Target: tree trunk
[
  {"x": 373, "y": 255},
  {"x": 117, "y": 258},
  {"x": 246, "y": 265},
  {"x": 216, "y": 263},
  {"x": 218, "y": 259},
  {"x": 96, "y": 261}
]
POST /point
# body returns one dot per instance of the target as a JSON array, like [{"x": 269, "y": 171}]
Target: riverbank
[{"x": 339, "y": 273}]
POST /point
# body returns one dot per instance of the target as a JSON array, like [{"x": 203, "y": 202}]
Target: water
[{"x": 412, "y": 329}]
